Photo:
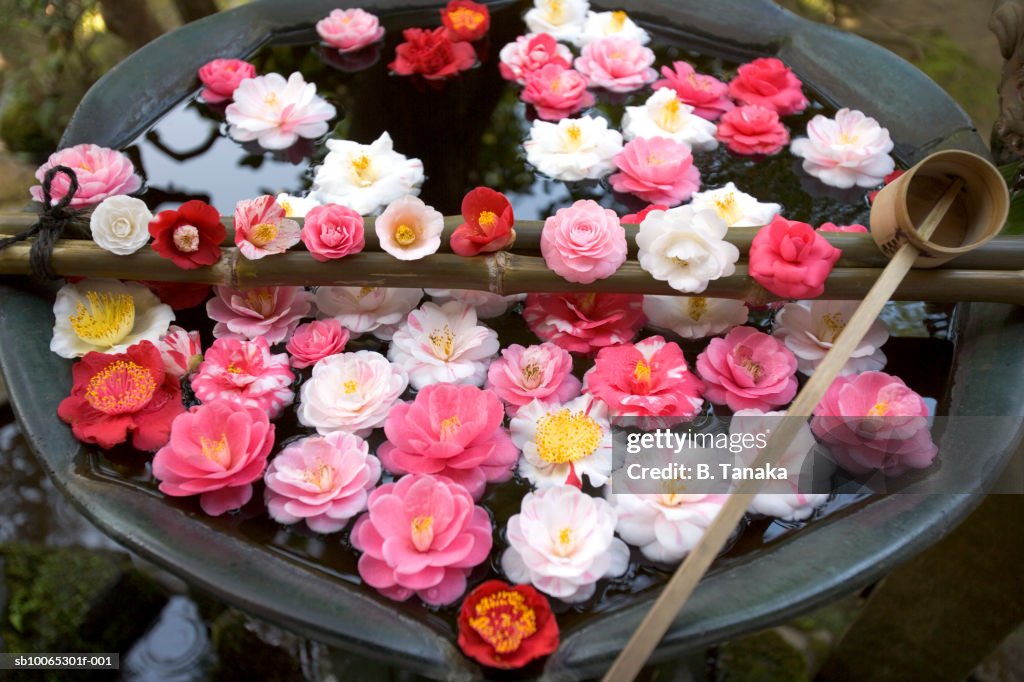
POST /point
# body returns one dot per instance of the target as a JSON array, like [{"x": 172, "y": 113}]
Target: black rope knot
[{"x": 54, "y": 219}]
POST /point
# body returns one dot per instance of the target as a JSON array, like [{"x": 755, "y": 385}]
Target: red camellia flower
[
  {"x": 431, "y": 54},
  {"x": 117, "y": 394},
  {"x": 179, "y": 295},
  {"x": 637, "y": 218},
  {"x": 466, "y": 20},
  {"x": 790, "y": 259},
  {"x": 888, "y": 178},
  {"x": 488, "y": 226},
  {"x": 506, "y": 626},
  {"x": 190, "y": 236}
]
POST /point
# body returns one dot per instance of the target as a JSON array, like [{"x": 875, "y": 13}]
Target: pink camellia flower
[
  {"x": 646, "y": 383},
  {"x": 349, "y": 30},
  {"x": 351, "y": 392},
  {"x": 322, "y": 480},
  {"x": 275, "y": 112},
  {"x": 216, "y": 451},
  {"x": 451, "y": 430},
  {"x": 832, "y": 227},
  {"x": 270, "y": 312},
  {"x": 181, "y": 350},
  {"x": 790, "y": 259},
  {"x": 221, "y": 78},
  {"x": 316, "y": 340},
  {"x": 421, "y": 535},
  {"x": 846, "y": 151},
  {"x": 524, "y": 374},
  {"x": 748, "y": 370},
  {"x": 638, "y": 217},
  {"x": 657, "y": 170},
  {"x": 617, "y": 64},
  {"x": 332, "y": 231},
  {"x": 101, "y": 173},
  {"x": 246, "y": 374},
  {"x": 583, "y": 242},
  {"x": 873, "y": 421},
  {"x": 582, "y": 323},
  {"x": 753, "y": 129},
  {"x": 532, "y": 52},
  {"x": 706, "y": 94},
  {"x": 261, "y": 228},
  {"x": 769, "y": 83},
  {"x": 556, "y": 92}
]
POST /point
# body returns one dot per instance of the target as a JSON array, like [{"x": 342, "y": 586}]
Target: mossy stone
[{"x": 762, "y": 657}]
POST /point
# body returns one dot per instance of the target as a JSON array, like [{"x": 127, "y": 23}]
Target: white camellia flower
[
  {"x": 736, "y": 208},
  {"x": 665, "y": 526},
  {"x": 574, "y": 148},
  {"x": 351, "y": 392},
  {"x": 563, "y": 19},
  {"x": 107, "y": 316},
  {"x": 563, "y": 442},
  {"x": 850, "y": 149},
  {"x": 563, "y": 541},
  {"x": 685, "y": 248},
  {"x": 444, "y": 344},
  {"x": 408, "y": 229},
  {"x": 120, "y": 224},
  {"x": 366, "y": 177},
  {"x": 296, "y": 207},
  {"x": 275, "y": 112},
  {"x": 487, "y": 305},
  {"x": 694, "y": 317},
  {"x": 663, "y": 115},
  {"x": 781, "y": 498},
  {"x": 810, "y": 328},
  {"x": 363, "y": 310},
  {"x": 603, "y": 24}
]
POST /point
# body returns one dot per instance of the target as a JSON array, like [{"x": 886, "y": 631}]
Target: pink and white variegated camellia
[
  {"x": 351, "y": 392},
  {"x": 247, "y": 374},
  {"x": 276, "y": 112},
  {"x": 181, "y": 350},
  {"x": 261, "y": 228},
  {"x": 270, "y": 312},
  {"x": 849, "y": 150}
]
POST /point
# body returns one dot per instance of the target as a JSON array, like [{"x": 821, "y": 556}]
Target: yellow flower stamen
[
  {"x": 366, "y": 291},
  {"x": 288, "y": 208},
  {"x": 263, "y": 234},
  {"x": 504, "y": 620},
  {"x": 696, "y": 306},
  {"x": 832, "y": 325},
  {"x": 486, "y": 218},
  {"x": 216, "y": 451},
  {"x": 120, "y": 387},
  {"x": 465, "y": 19},
  {"x": 443, "y": 340},
  {"x": 271, "y": 100},
  {"x": 565, "y": 436},
  {"x": 422, "y": 532},
  {"x": 879, "y": 409},
  {"x": 449, "y": 427},
  {"x": 107, "y": 320},
  {"x": 405, "y": 235},
  {"x": 618, "y": 20},
  {"x": 260, "y": 301},
  {"x": 669, "y": 118},
  {"x": 574, "y": 137},
  {"x": 233, "y": 369},
  {"x": 362, "y": 170},
  {"x": 727, "y": 209},
  {"x": 321, "y": 476},
  {"x": 532, "y": 375},
  {"x": 350, "y": 387},
  {"x": 745, "y": 360},
  {"x": 555, "y": 13},
  {"x": 642, "y": 372}
]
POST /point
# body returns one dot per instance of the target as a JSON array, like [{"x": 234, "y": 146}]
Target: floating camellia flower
[
  {"x": 217, "y": 450},
  {"x": 573, "y": 149},
  {"x": 422, "y": 536},
  {"x": 603, "y": 24},
  {"x": 562, "y": 19},
  {"x": 529, "y": 53},
  {"x": 101, "y": 173},
  {"x": 261, "y": 229},
  {"x": 349, "y": 30},
  {"x": 583, "y": 242},
  {"x": 489, "y": 223},
  {"x": 190, "y": 236},
  {"x": 296, "y": 207},
  {"x": 665, "y": 526},
  {"x": 769, "y": 83},
  {"x": 874, "y": 422},
  {"x": 246, "y": 374},
  {"x": 810, "y": 328},
  {"x": 332, "y": 231},
  {"x": 646, "y": 384},
  {"x": 270, "y": 312},
  {"x": 106, "y": 316},
  {"x": 362, "y": 310},
  {"x": 583, "y": 323},
  {"x": 506, "y": 626},
  {"x": 443, "y": 343},
  {"x": 791, "y": 260},
  {"x": 351, "y": 392},
  {"x": 466, "y": 20},
  {"x": 685, "y": 248},
  {"x": 276, "y": 112},
  {"x": 736, "y": 208},
  {"x": 849, "y": 150},
  {"x": 181, "y": 351},
  {"x": 657, "y": 169},
  {"x": 322, "y": 480},
  {"x": 486, "y": 304},
  {"x": 556, "y": 92},
  {"x": 753, "y": 129},
  {"x": 564, "y": 442},
  {"x": 408, "y": 229},
  {"x": 832, "y": 227},
  {"x": 563, "y": 541},
  {"x": 523, "y": 374},
  {"x": 695, "y": 317},
  {"x": 663, "y": 115},
  {"x": 312, "y": 342},
  {"x": 430, "y": 53},
  {"x": 115, "y": 395},
  {"x": 748, "y": 370},
  {"x": 221, "y": 78},
  {"x": 617, "y": 64},
  {"x": 366, "y": 177},
  {"x": 451, "y": 430},
  {"x": 706, "y": 94}
]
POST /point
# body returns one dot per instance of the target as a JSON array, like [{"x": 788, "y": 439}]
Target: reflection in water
[{"x": 176, "y": 649}]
